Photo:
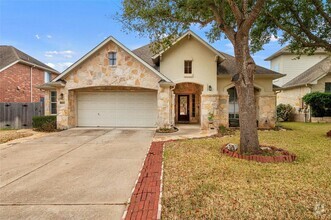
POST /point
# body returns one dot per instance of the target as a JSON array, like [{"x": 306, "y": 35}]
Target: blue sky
[{"x": 59, "y": 32}]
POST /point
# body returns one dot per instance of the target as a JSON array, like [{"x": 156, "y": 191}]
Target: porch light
[{"x": 210, "y": 88}]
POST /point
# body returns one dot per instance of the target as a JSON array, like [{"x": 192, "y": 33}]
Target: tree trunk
[{"x": 244, "y": 83}]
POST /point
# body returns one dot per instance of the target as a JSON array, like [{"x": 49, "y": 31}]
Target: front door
[{"x": 183, "y": 108}]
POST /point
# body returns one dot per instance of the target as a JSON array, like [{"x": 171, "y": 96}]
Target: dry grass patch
[
  {"x": 202, "y": 183},
  {"x": 8, "y": 135}
]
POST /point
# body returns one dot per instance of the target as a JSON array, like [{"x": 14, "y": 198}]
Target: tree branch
[
  {"x": 303, "y": 27},
  {"x": 253, "y": 15},
  {"x": 319, "y": 8},
  {"x": 236, "y": 11},
  {"x": 297, "y": 37},
  {"x": 219, "y": 16}
]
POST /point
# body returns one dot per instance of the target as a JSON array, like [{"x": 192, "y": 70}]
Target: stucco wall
[
  {"x": 265, "y": 100},
  {"x": 320, "y": 86},
  {"x": 292, "y": 67},
  {"x": 203, "y": 63}
]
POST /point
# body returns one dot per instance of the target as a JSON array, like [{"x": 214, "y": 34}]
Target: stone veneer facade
[{"x": 95, "y": 74}]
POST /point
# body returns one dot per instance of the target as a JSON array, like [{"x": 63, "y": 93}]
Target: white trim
[
  {"x": 28, "y": 63},
  {"x": 189, "y": 32},
  {"x": 9, "y": 65},
  {"x": 103, "y": 43}
]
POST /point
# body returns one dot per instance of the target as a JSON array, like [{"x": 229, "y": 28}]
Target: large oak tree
[
  {"x": 248, "y": 24},
  {"x": 163, "y": 20}
]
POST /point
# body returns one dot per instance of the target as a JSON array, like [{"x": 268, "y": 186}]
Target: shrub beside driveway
[{"x": 202, "y": 183}]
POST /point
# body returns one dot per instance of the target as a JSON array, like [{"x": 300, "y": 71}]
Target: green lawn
[{"x": 201, "y": 183}]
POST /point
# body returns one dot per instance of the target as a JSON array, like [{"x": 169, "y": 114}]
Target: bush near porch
[{"x": 202, "y": 183}]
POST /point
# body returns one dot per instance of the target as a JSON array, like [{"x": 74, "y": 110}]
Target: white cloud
[
  {"x": 51, "y": 65},
  {"x": 49, "y": 36},
  {"x": 65, "y": 53},
  {"x": 37, "y": 36},
  {"x": 63, "y": 66},
  {"x": 273, "y": 38}
]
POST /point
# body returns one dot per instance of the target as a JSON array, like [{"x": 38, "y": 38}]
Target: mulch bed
[
  {"x": 281, "y": 155},
  {"x": 144, "y": 202}
]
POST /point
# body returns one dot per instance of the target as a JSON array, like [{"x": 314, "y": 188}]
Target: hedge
[
  {"x": 44, "y": 123},
  {"x": 319, "y": 102}
]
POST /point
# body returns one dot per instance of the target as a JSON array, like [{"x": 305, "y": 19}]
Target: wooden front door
[{"x": 183, "y": 108}]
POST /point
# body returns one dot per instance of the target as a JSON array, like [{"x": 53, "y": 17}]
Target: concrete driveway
[{"x": 74, "y": 174}]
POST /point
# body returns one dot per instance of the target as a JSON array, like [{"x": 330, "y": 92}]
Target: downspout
[
  {"x": 309, "y": 107},
  {"x": 31, "y": 95}
]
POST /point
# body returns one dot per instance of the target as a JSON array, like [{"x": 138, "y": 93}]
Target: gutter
[{"x": 31, "y": 90}]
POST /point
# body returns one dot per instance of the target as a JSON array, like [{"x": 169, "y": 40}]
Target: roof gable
[
  {"x": 191, "y": 34},
  {"x": 311, "y": 75},
  {"x": 103, "y": 43},
  {"x": 10, "y": 55}
]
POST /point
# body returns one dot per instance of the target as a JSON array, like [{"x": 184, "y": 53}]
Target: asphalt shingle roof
[
  {"x": 311, "y": 74},
  {"x": 228, "y": 66},
  {"x": 10, "y": 54}
]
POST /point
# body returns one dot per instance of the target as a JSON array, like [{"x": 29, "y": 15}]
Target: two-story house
[
  {"x": 308, "y": 73},
  {"x": 189, "y": 81},
  {"x": 20, "y": 74}
]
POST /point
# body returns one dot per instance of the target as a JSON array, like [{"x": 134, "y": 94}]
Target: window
[
  {"x": 193, "y": 105},
  {"x": 53, "y": 102},
  {"x": 328, "y": 87},
  {"x": 47, "y": 77},
  {"x": 188, "y": 66},
  {"x": 112, "y": 58}
]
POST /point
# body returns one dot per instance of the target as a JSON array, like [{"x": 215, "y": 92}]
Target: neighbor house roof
[
  {"x": 103, "y": 43},
  {"x": 226, "y": 67},
  {"x": 10, "y": 55},
  {"x": 285, "y": 50},
  {"x": 312, "y": 75}
]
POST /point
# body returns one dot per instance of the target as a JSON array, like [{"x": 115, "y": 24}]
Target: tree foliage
[
  {"x": 319, "y": 102},
  {"x": 305, "y": 25}
]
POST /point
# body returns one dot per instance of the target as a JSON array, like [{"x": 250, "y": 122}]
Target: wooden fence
[{"x": 19, "y": 115}]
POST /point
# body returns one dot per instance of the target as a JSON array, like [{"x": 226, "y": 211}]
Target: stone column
[
  {"x": 267, "y": 111},
  {"x": 164, "y": 102},
  {"x": 62, "y": 109},
  {"x": 224, "y": 110},
  {"x": 47, "y": 103},
  {"x": 209, "y": 104}
]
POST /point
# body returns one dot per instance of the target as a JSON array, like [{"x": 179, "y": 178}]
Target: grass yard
[
  {"x": 8, "y": 135},
  {"x": 201, "y": 183}
]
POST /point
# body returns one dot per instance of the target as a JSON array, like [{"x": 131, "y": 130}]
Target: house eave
[{"x": 51, "y": 85}]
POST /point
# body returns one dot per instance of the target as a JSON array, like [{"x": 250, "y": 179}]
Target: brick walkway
[{"x": 144, "y": 201}]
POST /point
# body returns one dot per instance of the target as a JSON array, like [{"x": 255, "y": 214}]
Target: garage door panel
[{"x": 117, "y": 109}]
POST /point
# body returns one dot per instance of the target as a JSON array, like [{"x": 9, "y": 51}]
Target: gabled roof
[
  {"x": 190, "y": 33},
  {"x": 10, "y": 55},
  {"x": 312, "y": 75},
  {"x": 285, "y": 50},
  {"x": 228, "y": 67},
  {"x": 103, "y": 43}
]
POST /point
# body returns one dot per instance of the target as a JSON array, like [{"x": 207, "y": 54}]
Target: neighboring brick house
[
  {"x": 20, "y": 74},
  {"x": 114, "y": 86}
]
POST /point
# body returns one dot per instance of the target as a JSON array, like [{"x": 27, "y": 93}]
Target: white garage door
[{"x": 117, "y": 109}]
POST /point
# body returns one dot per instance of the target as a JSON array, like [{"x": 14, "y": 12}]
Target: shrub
[
  {"x": 44, "y": 123},
  {"x": 319, "y": 102},
  {"x": 284, "y": 112}
]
